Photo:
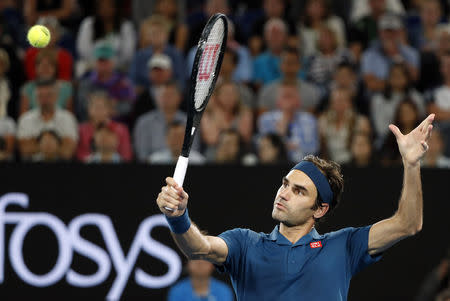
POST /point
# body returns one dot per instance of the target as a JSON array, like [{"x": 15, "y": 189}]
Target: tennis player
[{"x": 295, "y": 262}]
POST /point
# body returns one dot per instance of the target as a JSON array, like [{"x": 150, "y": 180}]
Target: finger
[
  {"x": 182, "y": 193},
  {"x": 428, "y": 134},
  {"x": 169, "y": 208},
  {"x": 424, "y": 145},
  {"x": 171, "y": 182},
  {"x": 426, "y": 122},
  {"x": 170, "y": 200},
  {"x": 395, "y": 130},
  {"x": 170, "y": 191}
]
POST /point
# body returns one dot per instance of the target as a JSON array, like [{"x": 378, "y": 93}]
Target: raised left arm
[{"x": 407, "y": 221}]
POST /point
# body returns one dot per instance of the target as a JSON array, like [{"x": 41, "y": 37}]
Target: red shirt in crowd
[
  {"x": 65, "y": 63},
  {"x": 87, "y": 131}
]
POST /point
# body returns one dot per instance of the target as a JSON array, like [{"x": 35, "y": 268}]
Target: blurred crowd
[{"x": 298, "y": 77}]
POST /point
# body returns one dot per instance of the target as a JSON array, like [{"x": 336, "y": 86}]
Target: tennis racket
[{"x": 207, "y": 63}]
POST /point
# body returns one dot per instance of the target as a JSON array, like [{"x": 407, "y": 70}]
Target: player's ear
[{"x": 321, "y": 211}]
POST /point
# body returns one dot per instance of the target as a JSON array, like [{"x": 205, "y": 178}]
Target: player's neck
[{"x": 294, "y": 233}]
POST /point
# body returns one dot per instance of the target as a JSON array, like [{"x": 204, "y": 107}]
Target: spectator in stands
[
  {"x": 271, "y": 150},
  {"x": 179, "y": 32},
  {"x": 62, "y": 10},
  {"x": 64, "y": 59},
  {"x": 149, "y": 134},
  {"x": 298, "y": 128},
  {"x": 266, "y": 66},
  {"x": 105, "y": 146},
  {"x": 100, "y": 110},
  {"x": 316, "y": 15},
  {"x": 435, "y": 154},
  {"x": 440, "y": 100},
  {"x": 227, "y": 74},
  {"x": 141, "y": 9},
  {"x": 46, "y": 69},
  {"x": 174, "y": 141},
  {"x": 226, "y": 111},
  {"x": 106, "y": 77},
  {"x": 363, "y": 27},
  {"x": 230, "y": 148},
  {"x": 160, "y": 72},
  {"x": 49, "y": 144},
  {"x": 198, "y": 21},
  {"x": 337, "y": 125},
  {"x": 406, "y": 118},
  {"x": 436, "y": 285},
  {"x": 345, "y": 77},
  {"x": 376, "y": 61},
  {"x": 243, "y": 70},
  {"x": 383, "y": 106},
  {"x": 47, "y": 116},
  {"x": 326, "y": 58},
  {"x": 7, "y": 124},
  {"x": 423, "y": 34},
  {"x": 271, "y": 9},
  {"x": 107, "y": 25},
  {"x": 200, "y": 285},
  {"x": 361, "y": 149},
  {"x": 158, "y": 29},
  {"x": 362, "y": 8},
  {"x": 430, "y": 61},
  {"x": 290, "y": 67}
]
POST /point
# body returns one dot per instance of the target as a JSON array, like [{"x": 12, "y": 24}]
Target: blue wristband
[{"x": 179, "y": 224}]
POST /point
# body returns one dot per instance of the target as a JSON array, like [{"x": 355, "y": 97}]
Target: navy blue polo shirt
[{"x": 317, "y": 267}]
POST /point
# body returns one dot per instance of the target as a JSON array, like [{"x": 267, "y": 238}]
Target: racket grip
[{"x": 180, "y": 172}]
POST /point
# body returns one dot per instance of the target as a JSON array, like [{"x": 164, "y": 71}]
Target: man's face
[
  {"x": 294, "y": 200},
  {"x": 168, "y": 99},
  {"x": 158, "y": 35},
  {"x": 288, "y": 98},
  {"x": 275, "y": 37},
  {"x": 46, "y": 97},
  {"x": 104, "y": 66},
  {"x": 377, "y": 7},
  {"x": 160, "y": 76},
  {"x": 389, "y": 37},
  {"x": 290, "y": 65},
  {"x": 274, "y": 8},
  {"x": 98, "y": 110},
  {"x": 46, "y": 69}
]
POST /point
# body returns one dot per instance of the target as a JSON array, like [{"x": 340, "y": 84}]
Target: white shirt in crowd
[{"x": 30, "y": 125}]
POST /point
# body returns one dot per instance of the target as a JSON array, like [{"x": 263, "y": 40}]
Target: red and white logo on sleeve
[{"x": 316, "y": 244}]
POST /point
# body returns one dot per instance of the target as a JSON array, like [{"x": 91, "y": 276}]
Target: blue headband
[{"x": 321, "y": 182}]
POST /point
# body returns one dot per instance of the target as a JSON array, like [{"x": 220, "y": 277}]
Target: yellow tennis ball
[{"x": 38, "y": 36}]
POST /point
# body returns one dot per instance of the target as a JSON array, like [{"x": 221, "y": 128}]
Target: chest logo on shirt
[{"x": 316, "y": 244}]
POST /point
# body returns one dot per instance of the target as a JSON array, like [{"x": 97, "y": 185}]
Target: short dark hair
[
  {"x": 291, "y": 50},
  {"x": 52, "y": 133},
  {"x": 332, "y": 172}
]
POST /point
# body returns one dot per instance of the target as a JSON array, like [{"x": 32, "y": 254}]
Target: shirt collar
[{"x": 277, "y": 237}]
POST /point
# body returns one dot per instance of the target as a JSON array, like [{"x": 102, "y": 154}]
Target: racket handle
[{"x": 180, "y": 172}]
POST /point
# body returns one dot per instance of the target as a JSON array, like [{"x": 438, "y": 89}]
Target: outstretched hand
[{"x": 413, "y": 146}]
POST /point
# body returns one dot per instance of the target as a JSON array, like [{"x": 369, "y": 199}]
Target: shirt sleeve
[
  {"x": 358, "y": 249},
  {"x": 236, "y": 241}
]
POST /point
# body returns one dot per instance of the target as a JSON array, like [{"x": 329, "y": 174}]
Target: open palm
[{"x": 413, "y": 146}]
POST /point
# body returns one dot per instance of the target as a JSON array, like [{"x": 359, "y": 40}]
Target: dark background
[{"x": 221, "y": 197}]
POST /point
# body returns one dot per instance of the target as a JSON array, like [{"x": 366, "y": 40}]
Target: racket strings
[{"x": 208, "y": 64}]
